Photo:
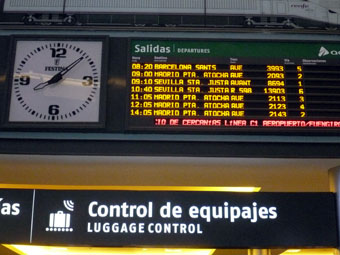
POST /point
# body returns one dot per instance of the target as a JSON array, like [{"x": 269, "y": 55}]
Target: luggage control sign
[
  {"x": 60, "y": 221},
  {"x": 168, "y": 218}
]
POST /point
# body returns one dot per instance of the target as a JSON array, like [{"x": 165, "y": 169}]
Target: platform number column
[{"x": 301, "y": 92}]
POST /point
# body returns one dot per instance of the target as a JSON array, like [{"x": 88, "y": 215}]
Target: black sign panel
[
  {"x": 173, "y": 219},
  {"x": 15, "y": 215},
  {"x": 184, "y": 219}
]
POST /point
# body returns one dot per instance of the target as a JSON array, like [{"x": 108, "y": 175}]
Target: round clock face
[{"x": 56, "y": 81}]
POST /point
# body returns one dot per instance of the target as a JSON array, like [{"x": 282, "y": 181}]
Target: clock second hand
[{"x": 59, "y": 76}]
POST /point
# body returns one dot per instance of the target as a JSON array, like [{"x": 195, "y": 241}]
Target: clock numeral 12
[{"x": 58, "y": 53}]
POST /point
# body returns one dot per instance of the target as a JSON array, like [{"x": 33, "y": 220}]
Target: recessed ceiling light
[
  {"x": 139, "y": 188},
  {"x": 53, "y": 250},
  {"x": 310, "y": 252}
]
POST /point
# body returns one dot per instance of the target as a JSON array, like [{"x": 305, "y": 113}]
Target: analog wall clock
[{"x": 56, "y": 81}]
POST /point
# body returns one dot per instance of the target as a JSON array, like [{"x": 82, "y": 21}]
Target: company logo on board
[
  {"x": 326, "y": 52},
  {"x": 323, "y": 52},
  {"x": 300, "y": 6}
]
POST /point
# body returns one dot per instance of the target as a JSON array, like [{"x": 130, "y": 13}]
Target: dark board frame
[{"x": 114, "y": 139}]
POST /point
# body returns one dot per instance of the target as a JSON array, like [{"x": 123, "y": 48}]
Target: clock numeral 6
[
  {"x": 53, "y": 109},
  {"x": 58, "y": 53},
  {"x": 24, "y": 80},
  {"x": 88, "y": 81}
]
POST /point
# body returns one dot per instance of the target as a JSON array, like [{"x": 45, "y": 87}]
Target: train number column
[{"x": 276, "y": 91}]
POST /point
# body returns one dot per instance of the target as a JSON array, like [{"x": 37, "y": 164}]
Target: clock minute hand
[
  {"x": 59, "y": 76},
  {"x": 70, "y": 66}
]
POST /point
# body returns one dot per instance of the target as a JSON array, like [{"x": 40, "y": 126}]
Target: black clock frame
[{"x": 53, "y": 125}]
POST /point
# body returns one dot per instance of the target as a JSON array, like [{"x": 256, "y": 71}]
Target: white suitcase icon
[{"x": 60, "y": 220}]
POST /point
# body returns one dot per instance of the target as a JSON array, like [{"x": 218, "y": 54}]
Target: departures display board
[{"x": 201, "y": 85}]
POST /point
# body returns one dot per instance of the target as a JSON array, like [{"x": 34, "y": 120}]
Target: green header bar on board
[{"x": 235, "y": 49}]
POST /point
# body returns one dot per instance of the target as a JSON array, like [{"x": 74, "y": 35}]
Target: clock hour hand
[
  {"x": 53, "y": 80},
  {"x": 59, "y": 76}
]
